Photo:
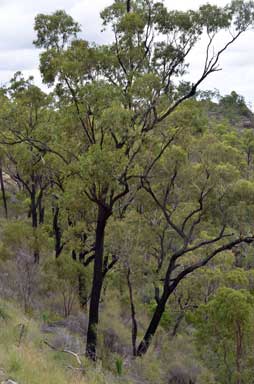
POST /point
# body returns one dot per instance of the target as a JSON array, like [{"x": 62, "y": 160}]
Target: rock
[
  {"x": 2, "y": 374},
  {"x": 9, "y": 381}
]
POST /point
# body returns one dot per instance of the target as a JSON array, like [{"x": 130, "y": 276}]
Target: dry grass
[{"x": 26, "y": 359}]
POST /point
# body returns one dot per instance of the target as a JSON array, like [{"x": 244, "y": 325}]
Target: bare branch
[
  {"x": 163, "y": 149},
  {"x": 146, "y": 185},
  {"x": 76, "y": 355},
  {"x": 76, "y": 103},
  {"x": 209, "y": 68},
  {"x": 191, "y": 268}
]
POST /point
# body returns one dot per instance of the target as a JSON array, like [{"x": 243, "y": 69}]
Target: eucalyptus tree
[
  {"x": 199, "y": 185},
  {"x": 122, "y": 93},
  {"x": 199, "y": 204},
  {"x": 224, "y": 332},
  {"x": 27, "y": 112}
]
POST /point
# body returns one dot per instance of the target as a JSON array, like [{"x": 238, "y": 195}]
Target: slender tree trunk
[
  {"x": 57, "y": 232},
  {"x": 177, "y": 324},
  {"x": 91, "y": 344},
  {"x": 154, "y": 323},
  {"x": 128, "y": 6},
  {"x": 33, "y": 203},
  {"x": 134, "y": 330},
  {"x": 34, "y": 222},
  {"x": 3, "y": 191},
  {"x": 238, "y": 353},
  {"x": 82, "y": 291},
  {"x": 74, "y": 255},
  {"x": 41, "y": 211}
]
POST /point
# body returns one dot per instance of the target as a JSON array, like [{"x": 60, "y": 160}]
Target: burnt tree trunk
[
  {"x": 154, "y": 323},
  {"x": 82, "y": 291},
  {"x": 91, "y": 344},
  {"x": 134, "y": 330},
  {"x": 57, "y": 232},
  {"x": 179, "y": 319},
  {"x": 3, "y": 192},
  {"x": 41, "y": 210},
  {"x": 128, "y": 6},
  {"x": 34, "y": 217},
  {"x": 239, "y": 350}
]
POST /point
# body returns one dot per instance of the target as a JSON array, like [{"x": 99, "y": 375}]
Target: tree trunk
[
  {"x": 177, "y": 324},
  {"x": 91, "y": 344},
  {"x": 41, "y": 210},
  {"x": 134, "y": 330},
  {"x": 82, "y": 291},
  {"x": 3, "y": 192},
  {"x": 239, "y": 338},
  {"x": 128, "y": 6},
  {"x": 33, "y": 204},
  {"x": 57, "y": 232},
  {"x": 34, "y": 222},
  {"x": 145, "y": 343}
]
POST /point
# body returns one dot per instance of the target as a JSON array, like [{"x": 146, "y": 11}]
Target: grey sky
[{"x": 17, "y": 51}]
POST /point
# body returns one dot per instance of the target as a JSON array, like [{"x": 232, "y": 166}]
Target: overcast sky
[{"x": 17, "y": 51}]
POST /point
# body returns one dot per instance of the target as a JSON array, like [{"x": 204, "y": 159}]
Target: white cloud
[
  {"x": 22, "y": 59},
  {"x": 88, "y": 15},
  {"x": 193, "y": 4}
]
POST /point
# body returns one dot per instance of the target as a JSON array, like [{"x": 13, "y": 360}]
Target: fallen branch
[{"x": 76, "y": 355}]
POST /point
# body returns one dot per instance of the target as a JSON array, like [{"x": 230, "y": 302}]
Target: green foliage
[
  {"x": 15, "y": 364},
  {"x": 62, "y": 272},
  {"x": 102, "y": 166},
  {"x": 119, "y": 366},
  {"x": 54, "y": 30},
  {"x": 4, "y": 315},
  {"x": 223, "y": 332}
]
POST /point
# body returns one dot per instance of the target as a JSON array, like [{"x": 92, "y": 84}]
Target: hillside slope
[{"x": 26, "y": 358}]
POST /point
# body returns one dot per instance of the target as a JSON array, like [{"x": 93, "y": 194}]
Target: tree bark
[
  {"x": 239, "y": 338},
  {"x": 134, "y": 330},
  {"x": 177, "y": 324},
  {"x": 57, "y": 232},
  {"x": 3, "y": 192},
  {"x": 154, "y": 323},
  {"x": 34, "y": 221},
  {"x": 82, "y": 291},
  {"x": 41, "y": 210},
  {"x": 128, "y": 6},
  {"x": 91, "y": 344}
]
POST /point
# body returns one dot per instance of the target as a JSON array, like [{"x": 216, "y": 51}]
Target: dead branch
[{"x": 76, "y": 355}]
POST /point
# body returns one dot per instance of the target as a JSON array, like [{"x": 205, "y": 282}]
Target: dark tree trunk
[
  {"x": 145, "y": 343},
  {"x": 34, "y": 217},
  {"x": 157, "y": 294},
  {"x": 82, "y": 291},
  {"x": 133, "y": 315},
  {"x": 91, "y": 344},
  {"x": 74, "y": 255},
  {"x": 57, "y": 232},
  {"x": 41, "y": 211},
  {"x": 128, "y": 6},
  {"x": 239, "y": 350},
  {"x": 3, "y": 192},
  {"x": 179, "y": 319}
]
